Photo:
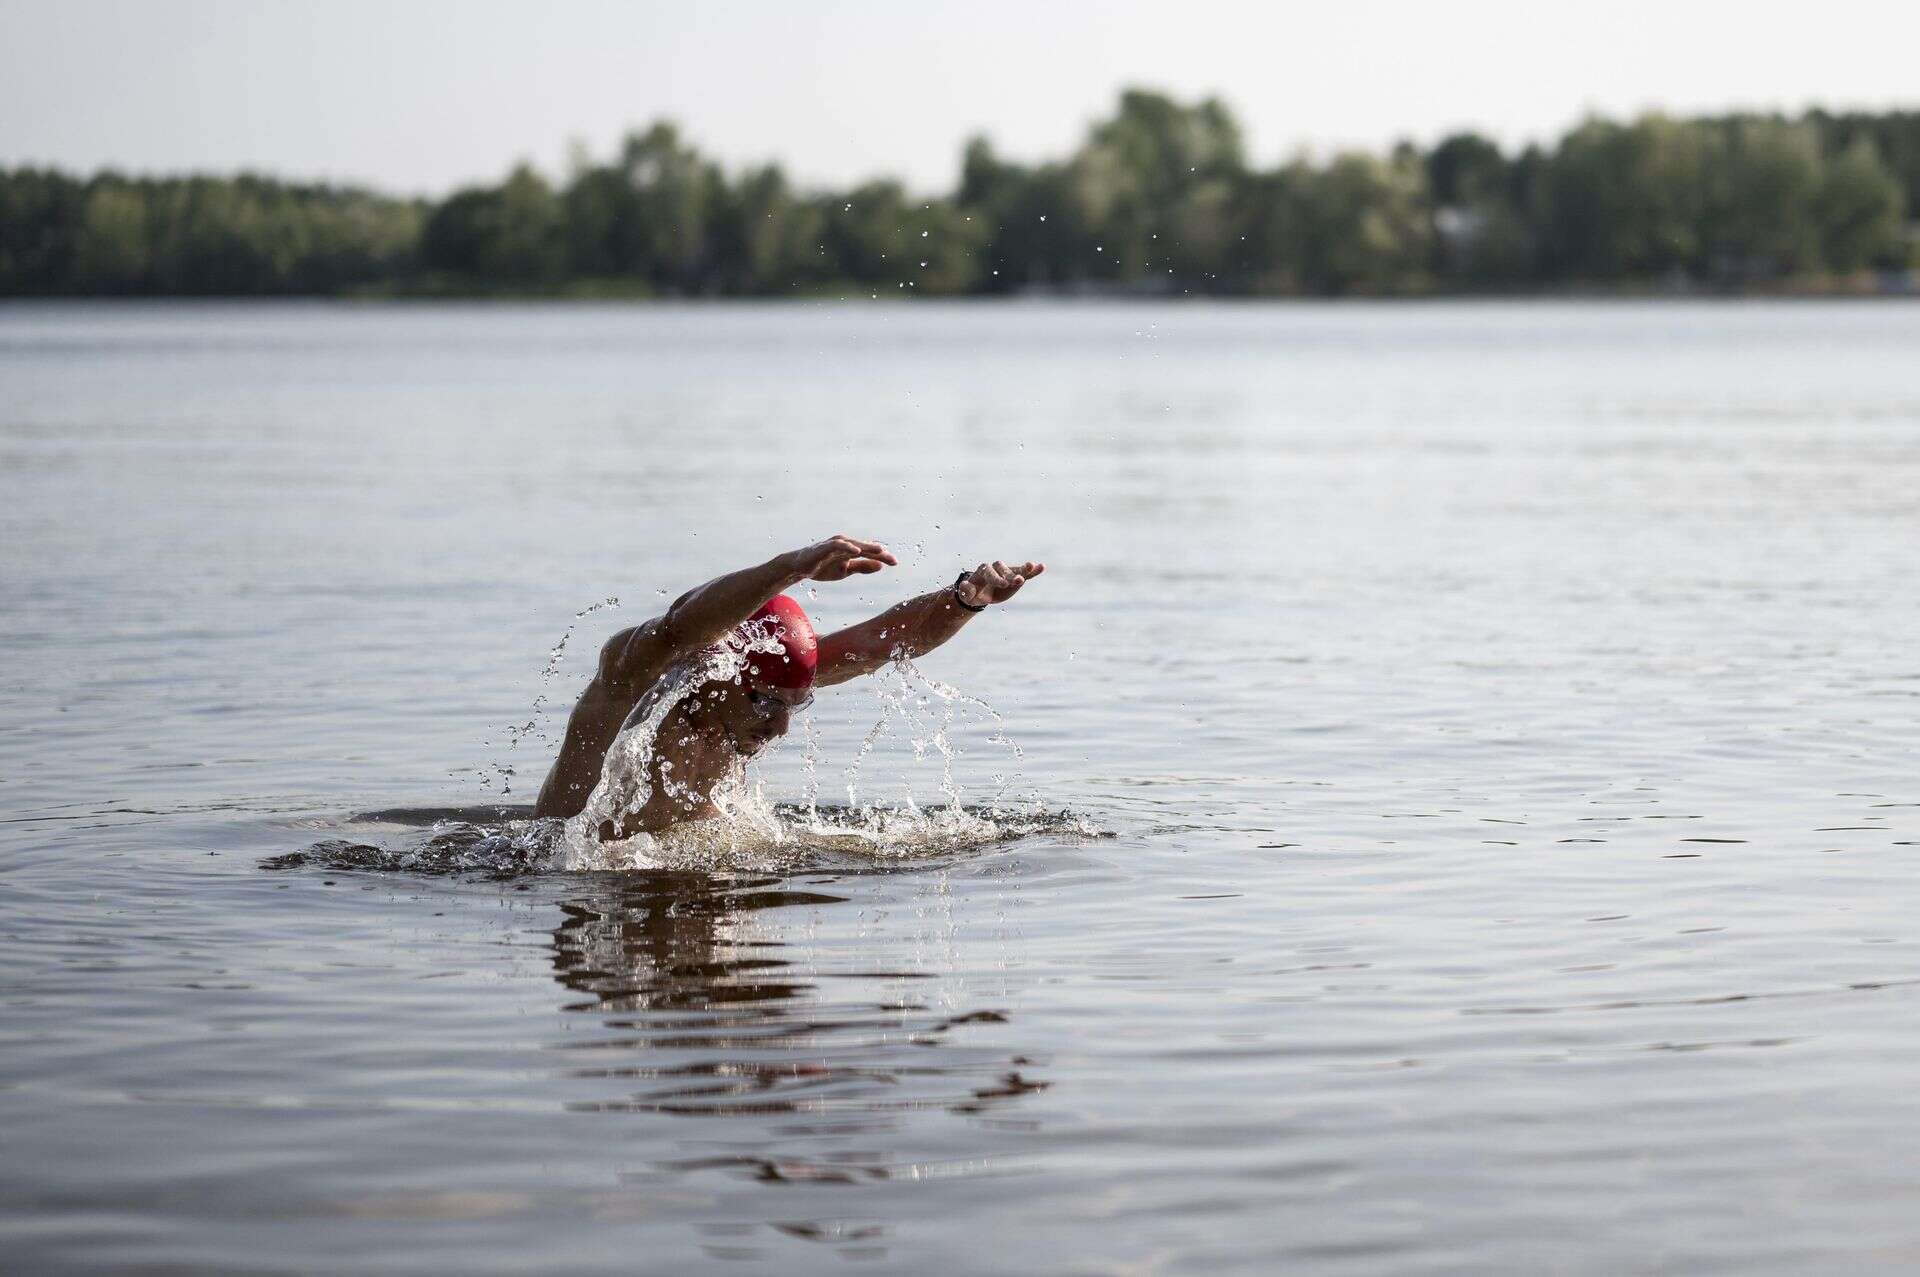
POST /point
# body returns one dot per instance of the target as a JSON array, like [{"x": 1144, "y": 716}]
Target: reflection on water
[
  {"x": 778, "y": 1062},
  {"x": 785, "y": 1074},
  {"x": 743, "y": 1033},
  {"x": 708, "y": 1020}
]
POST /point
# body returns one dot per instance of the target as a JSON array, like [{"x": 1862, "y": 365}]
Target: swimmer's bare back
[{"x": 635, "y": 660}]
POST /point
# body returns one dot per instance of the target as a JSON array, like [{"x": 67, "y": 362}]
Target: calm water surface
[{"x": 1496, "y": 725}]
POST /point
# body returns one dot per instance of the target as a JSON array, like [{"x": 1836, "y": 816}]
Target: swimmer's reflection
[
  {"x": 675, "y": 941},
  {"x": 719, "y": 1012}
]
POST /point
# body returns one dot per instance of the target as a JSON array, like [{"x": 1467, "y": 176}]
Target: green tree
[
  {"x": 604, "y": 239},
  {"x": 879, "y": 237},
  {"x": 675, "y": 194},
  {"x": 512, "y": 234},
  {"x": 1466, "y": 169},
  {"x": 1765, "y": 176},
  {"x": 40, "y": 212},
  {"x": 113, "y": 252},
  {"x": 528, "y": 243},
  {"x": 1359, "y": 225},
  {"x": 1893, "y": 135},
  {"x": 1629, "y": 200},
  {"x": 1481, "y": 234},
  {"x": 1033, "y": 229},
  {"x": 1157, "y": 184},
  {"x": 1858, "y": 211},
  {"x": 768, "y": 240}
]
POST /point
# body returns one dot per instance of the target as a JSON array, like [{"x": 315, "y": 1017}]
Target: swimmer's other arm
[
  {"x": 919, "y": 625},
  {"x": 704, "y": 615}
]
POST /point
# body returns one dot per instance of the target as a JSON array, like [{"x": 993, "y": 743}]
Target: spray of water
[
  {"x": 744, "y": 829},
  {"x": 747, "y": 827},
  {"x": 501, "y": 774},
  {"x": 637, "y": 770}
]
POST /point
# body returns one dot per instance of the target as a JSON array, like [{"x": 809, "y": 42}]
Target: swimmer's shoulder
[{"x": 634, "y": 659}]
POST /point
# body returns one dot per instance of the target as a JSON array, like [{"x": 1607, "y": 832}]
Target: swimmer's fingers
[
  {"x": 871, "y": 558},
  {"x": 866, "y": 549},
  {"x": 840, "y": 556},
  {"x": 997, "y": 582},
  {"x": 993, "y": 583}
]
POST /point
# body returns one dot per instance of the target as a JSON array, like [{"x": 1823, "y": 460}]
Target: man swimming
[{"x": 756, "y": 660}]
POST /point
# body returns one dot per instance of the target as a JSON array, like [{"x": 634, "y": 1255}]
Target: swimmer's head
[
  {"x": 784, "y": 622},
  {"x": 780, "y": 654}
]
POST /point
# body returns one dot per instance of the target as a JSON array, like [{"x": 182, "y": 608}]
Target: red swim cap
[{"x": 793, "y": 666}]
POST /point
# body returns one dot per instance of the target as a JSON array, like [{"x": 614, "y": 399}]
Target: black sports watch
[{"x": 971, "y": 607}]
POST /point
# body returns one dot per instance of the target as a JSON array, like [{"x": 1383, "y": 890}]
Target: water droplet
[{"x": 923, "y": 234}]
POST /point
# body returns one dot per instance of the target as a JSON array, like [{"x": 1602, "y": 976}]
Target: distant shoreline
[
  {"x": 401, "y": 300},
  {"x": 1159, "y": 201}
]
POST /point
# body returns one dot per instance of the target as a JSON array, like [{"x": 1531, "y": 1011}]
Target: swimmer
[{"x": 707, "y": 733}]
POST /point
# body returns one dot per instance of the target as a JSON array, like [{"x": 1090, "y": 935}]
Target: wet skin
[
  {"x": 703, "y": 739},
  {"x": 711, "y": 732}
]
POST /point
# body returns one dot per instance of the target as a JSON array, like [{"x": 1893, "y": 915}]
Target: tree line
[{"x": 1158, "y": 199}]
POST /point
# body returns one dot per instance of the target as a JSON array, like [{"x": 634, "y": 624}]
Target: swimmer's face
[{"x": 751, "y": 717}]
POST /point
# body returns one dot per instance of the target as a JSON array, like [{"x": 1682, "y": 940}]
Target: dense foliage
[{"x": 1159, "y": 199}]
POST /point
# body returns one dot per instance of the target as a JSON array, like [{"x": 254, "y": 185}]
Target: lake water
[{"x": 1467, "y": 755}]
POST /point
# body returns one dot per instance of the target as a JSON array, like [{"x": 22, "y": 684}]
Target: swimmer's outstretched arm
[
  {"x": 919, "y": 625},
  {"x": 706, "y": 613}
]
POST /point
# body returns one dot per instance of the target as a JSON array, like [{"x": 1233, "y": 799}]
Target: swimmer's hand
[
  {"x": 840, "y": 557},
  {"x": 995, "y": 582},
  {"x": 917, "y": 626}
]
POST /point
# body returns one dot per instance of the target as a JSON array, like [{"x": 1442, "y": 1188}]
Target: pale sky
[{"x": 423, "y": 95}]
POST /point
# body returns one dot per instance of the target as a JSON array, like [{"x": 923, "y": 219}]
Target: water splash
[
  {"x": 534, "y": 726},
  {"x": 626, "y": 783},
  {"x": 485, "y": 848},
  {"x": 926, "y": 710},
  {"x": 744, "y": 828},
  {"x": 634, "y": 768},
  {"x": 754, "y": 835}
]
